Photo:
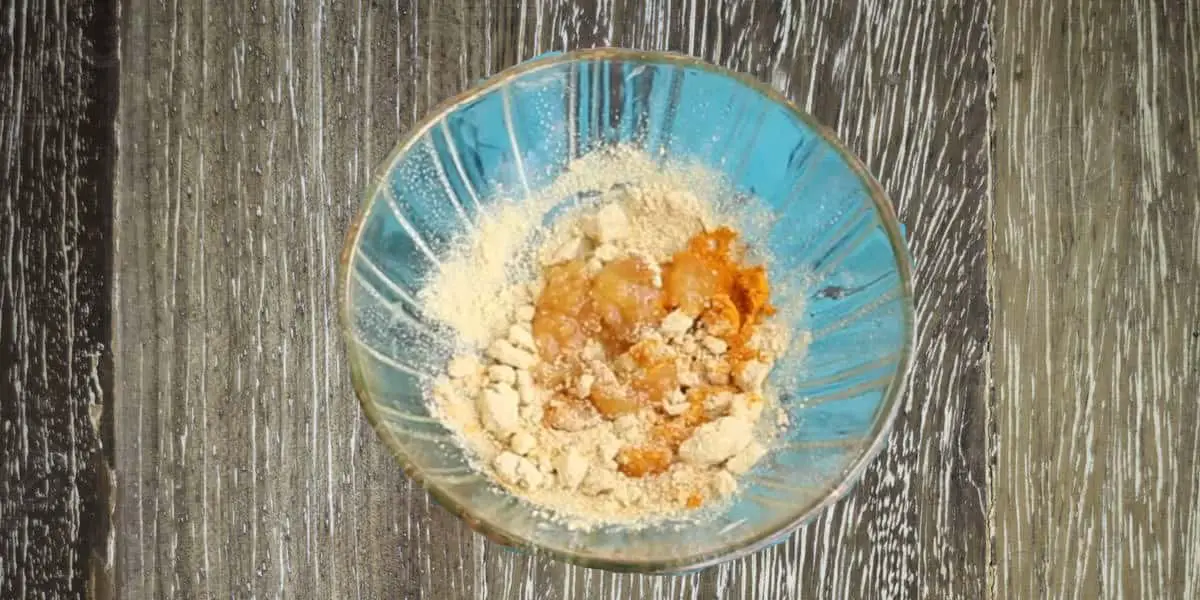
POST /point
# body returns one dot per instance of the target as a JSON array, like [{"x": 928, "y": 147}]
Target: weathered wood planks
[
  {"x": 1096, "y": 284},
  {"x": 253, "y": 130}
]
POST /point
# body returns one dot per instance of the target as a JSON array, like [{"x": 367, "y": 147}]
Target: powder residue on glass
[{"x": 613, "y": 364}]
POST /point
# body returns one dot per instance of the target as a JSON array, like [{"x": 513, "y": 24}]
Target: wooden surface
[
  {"x": 246, "y": 464},
  {"x": 1096, "y": 283},
  {"x": 58, "y": 79},
  {"x": 1042, "y": 155}
]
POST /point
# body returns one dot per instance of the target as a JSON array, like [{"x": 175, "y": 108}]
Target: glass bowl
[{"x": 832, "y": 233}]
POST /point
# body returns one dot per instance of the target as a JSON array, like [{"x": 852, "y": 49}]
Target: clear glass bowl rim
[{"x": 883, "y": 420}]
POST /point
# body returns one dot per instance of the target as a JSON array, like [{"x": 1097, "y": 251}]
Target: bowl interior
[{"x": 831, "y": 233}]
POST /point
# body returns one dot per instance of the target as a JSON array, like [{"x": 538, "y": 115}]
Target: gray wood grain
[
  {"x": 243, "y": 468},
  {"x": 247, "y": 131},
  {"x": 57, "y": 103},
  {"x": 1096, "y": 259}
]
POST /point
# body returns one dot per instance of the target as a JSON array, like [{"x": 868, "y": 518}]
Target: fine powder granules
[{"x": 600, "y": 376}]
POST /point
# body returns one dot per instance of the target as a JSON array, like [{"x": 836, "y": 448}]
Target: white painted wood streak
[
  {"x": 57, "y": 101},
  {"x": 1095, "y": 263}
]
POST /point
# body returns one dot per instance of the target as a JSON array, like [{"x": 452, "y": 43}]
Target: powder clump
[{"x": 613, "y": 359}]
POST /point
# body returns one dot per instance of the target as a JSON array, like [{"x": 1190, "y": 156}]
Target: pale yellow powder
[
  {"x": 473, "y": 290},
  {"x": 484, "y": 286}
]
